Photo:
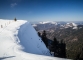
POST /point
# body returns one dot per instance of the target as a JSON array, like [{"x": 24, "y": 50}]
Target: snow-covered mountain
[
  {"x": 73, "y": 25},
  {"x": 44, "y": 25},
  {"x": 19, "y": 41},
  {"x": 52, "y": 24},
  {"x": 48, "y": 22}
]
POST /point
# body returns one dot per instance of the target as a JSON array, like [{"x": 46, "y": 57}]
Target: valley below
[{"x": 70, "y": 32}]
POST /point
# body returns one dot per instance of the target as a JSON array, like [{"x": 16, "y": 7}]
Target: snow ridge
[
  {"x": 30, "y": 40},
  {"x": 19, "y": 40}
]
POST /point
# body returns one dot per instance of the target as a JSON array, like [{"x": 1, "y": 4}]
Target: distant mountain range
[
  {"x": 52, "y": 24},
  {"x": 70, "y": 32}
]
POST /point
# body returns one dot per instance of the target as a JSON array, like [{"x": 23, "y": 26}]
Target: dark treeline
[{"x": 59, "y": 49}]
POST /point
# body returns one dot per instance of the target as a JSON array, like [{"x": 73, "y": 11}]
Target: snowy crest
[{"x": 19, "y": 41}]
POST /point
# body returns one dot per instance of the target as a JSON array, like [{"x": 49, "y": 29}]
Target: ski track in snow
[{"x": 10, "y": 43}]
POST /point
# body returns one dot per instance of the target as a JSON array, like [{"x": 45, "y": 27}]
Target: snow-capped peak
[
  {"x": 52, "y": 22},
  {"x": 73, "y": 25}
]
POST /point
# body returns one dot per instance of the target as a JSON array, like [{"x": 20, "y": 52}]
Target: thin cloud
[{"x": 13, "y": 4}]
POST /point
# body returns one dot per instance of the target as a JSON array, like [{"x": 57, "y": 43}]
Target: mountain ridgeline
[{"x": 71, "y": 33}]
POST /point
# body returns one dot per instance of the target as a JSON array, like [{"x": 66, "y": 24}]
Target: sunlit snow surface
[{"x": 19, "y": 41}]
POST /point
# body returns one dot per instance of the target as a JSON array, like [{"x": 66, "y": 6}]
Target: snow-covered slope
[
  {"x": 30, "y": 40},
  {"x": 19, "y": 41}
]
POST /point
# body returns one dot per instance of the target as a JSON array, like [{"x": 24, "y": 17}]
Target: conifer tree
[
  {"x": 44, "y": 38},
  {"x": 39, "y": 34}
]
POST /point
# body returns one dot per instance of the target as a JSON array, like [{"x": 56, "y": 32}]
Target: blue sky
[{"x": 42, "y": 10}]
